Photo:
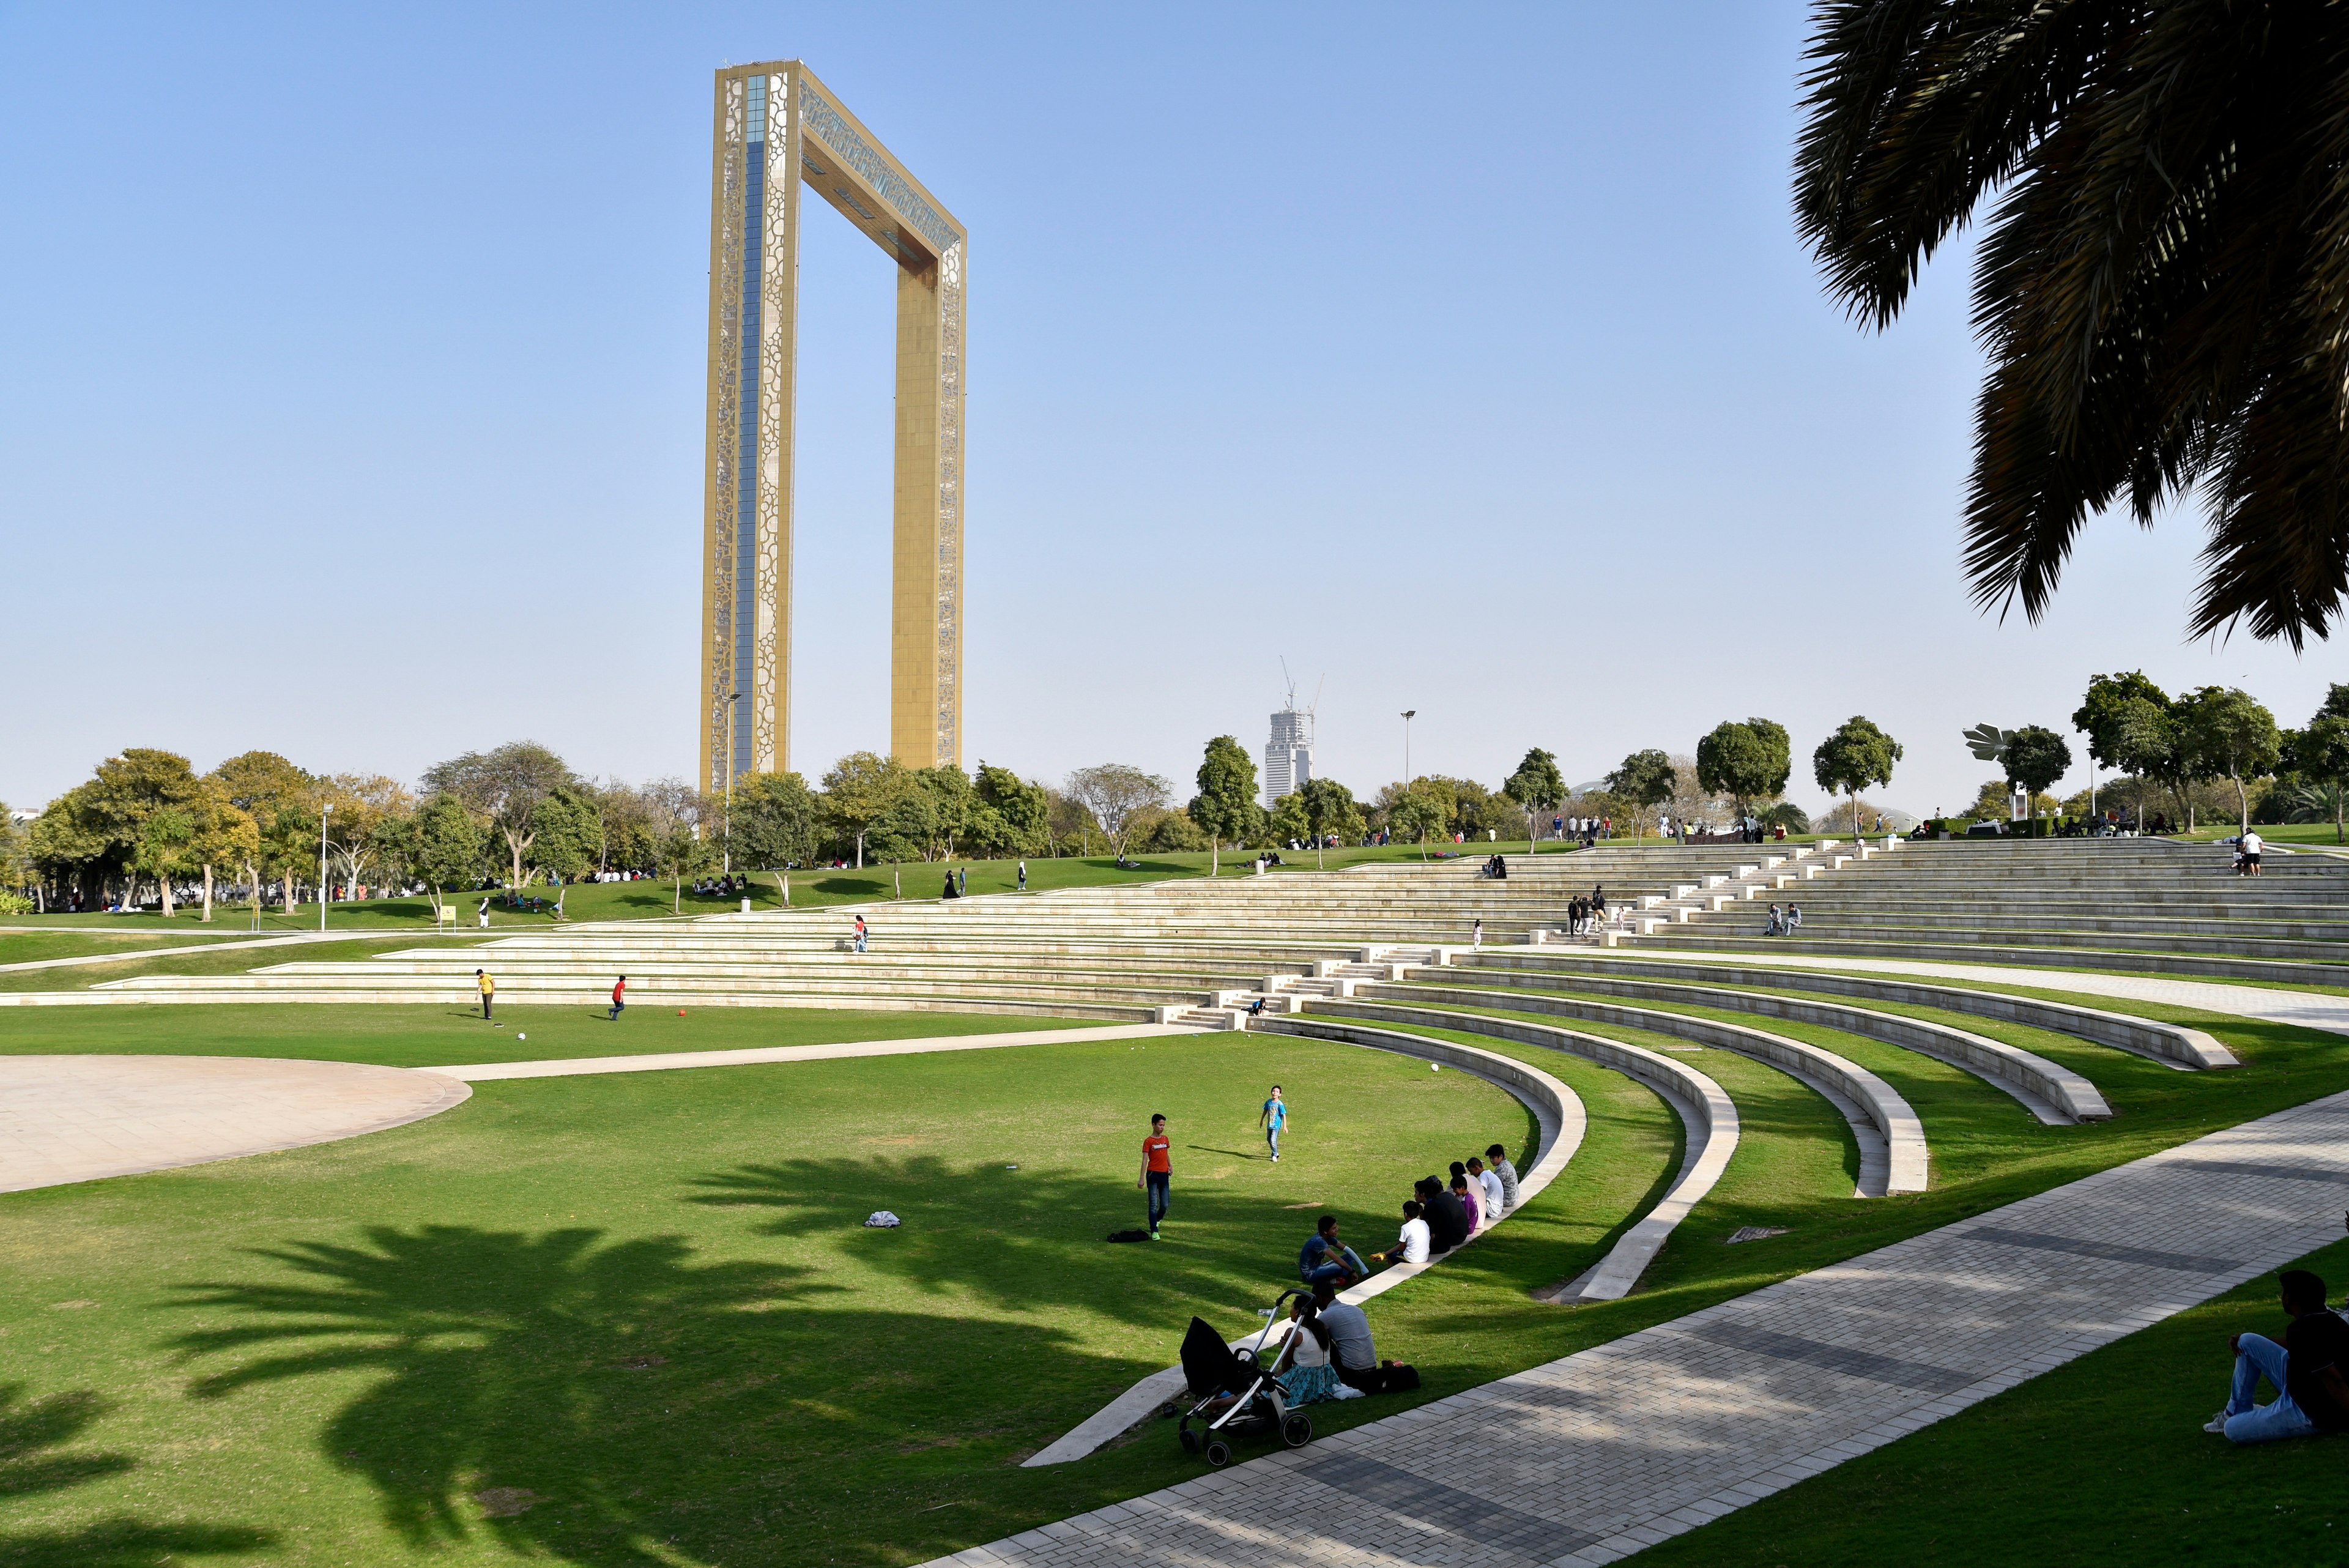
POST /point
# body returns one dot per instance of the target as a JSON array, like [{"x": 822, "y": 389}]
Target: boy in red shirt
[
  {"x": 1157, "y": 1173},
  {"x": 619, "y": 997}
]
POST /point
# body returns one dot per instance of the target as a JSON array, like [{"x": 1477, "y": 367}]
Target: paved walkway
[
  {"x": 580, "y": 1066},
  {"x": 1591, "y": 1458},
  {"x": 77, "y": 1118}
]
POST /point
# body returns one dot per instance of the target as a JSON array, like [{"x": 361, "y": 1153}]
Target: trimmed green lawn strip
[
  {"x": 650, "y": 1302},
  {"x": 449, "y": 1036},
  {"x": 230, "y": 961},
  {"x": 2101, "y": 1460},
  {"x": 28, "y": 947}
]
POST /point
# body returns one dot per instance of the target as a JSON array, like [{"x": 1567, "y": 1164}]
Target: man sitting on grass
[
  {"x": 2312, "y": 1398},
  {"x": 1349, "y": 1332},
  {"x": 1411, "y": 1246},
  {"x": 1447, "y": 1217},
  {"x": 1326, "y": 1258}
]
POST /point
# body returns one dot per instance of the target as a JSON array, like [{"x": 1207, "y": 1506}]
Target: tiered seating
[{"x": 2135, "y": 905}]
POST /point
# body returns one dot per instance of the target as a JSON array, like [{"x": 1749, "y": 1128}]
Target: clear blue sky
[{"x": 351, "y": 395}]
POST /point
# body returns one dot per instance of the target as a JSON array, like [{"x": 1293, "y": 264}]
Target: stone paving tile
[{"x": 1591, "y": 1458}]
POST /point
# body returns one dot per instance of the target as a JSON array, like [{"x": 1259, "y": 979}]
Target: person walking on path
[
  {"x": 1023, "y": 876},
  {"x": 1476, "y": 937},
  {"x": 619, "y": 997},
  {"x": 483, "y": 912},
  {"x": 1272, "y": 1118},
  {"x": 488, "y": 988},
  {"x": 1157, "y": 1176},
  {"x": 860, "y": 933},
  {"x": 962, "y": 882}
]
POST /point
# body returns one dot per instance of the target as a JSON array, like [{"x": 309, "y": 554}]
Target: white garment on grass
[{"x": 1413, "y": 1241}]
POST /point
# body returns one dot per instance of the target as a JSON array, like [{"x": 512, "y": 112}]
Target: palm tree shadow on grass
[
  {"x": 1026, "y": 1239},
  {"x": 31, "y": 1431},
  {"x": 613, "y": 1404}
]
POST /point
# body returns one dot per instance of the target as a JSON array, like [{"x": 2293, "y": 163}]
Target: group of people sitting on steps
[{"x": 1328, "y": 1354}]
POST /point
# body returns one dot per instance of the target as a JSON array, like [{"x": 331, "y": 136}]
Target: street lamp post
[
  {"x": 323, "y": 812},
  {"x": 1408, "y": 714}
]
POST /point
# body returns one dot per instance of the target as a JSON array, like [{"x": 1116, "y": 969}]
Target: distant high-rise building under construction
[{"x": 1289, "y": 755}]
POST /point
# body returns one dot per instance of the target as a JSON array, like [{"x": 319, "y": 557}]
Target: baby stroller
[{"x": 1235, "y": 1398}]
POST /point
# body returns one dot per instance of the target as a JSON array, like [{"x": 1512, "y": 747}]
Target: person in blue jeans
[
  {"x": 1275, "y": 1115},
  {"x": 1157, "y": 1173},
  {"x": 2312, "y": 1397},
  {"x": 1327, "y": 1258}
]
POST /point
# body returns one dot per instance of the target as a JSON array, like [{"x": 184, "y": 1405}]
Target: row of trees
[{"x": 2174, "y": 746}]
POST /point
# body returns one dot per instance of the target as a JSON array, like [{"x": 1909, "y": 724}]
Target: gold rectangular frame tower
[{"x": 776, "y": 127}]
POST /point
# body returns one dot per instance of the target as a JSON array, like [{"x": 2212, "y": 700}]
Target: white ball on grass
[
  {"x": 520, "y": 1036},
  {"x": 1435, "y": 1067}
]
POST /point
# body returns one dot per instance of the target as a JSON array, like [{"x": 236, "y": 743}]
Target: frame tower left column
[{"x": 747, "y": 483}]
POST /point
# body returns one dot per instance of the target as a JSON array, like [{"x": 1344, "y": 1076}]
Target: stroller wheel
[
  {"x": 1219, "y": 1452},
  {"x": 1298, "y": 1430},
  {"x": 1190, "y": 1440}
]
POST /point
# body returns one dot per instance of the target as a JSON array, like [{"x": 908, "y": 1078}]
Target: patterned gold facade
[{"x": 776, "y": 127}]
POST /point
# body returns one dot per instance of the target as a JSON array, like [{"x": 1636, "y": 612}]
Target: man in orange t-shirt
[{"x": 1157, "y": 1173}]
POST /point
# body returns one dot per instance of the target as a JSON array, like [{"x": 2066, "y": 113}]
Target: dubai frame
[{"x": 776, "y": 127}]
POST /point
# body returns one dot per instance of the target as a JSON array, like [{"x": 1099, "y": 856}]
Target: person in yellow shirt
[{"x": 489, "y": 990}]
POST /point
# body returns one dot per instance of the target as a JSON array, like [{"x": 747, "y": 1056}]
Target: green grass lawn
[
  {"x": 442, "y": 1036},
  {"x": 649, "y": 1302},
  {"x": 26, "y": 947},
  {"x": 644, "y": 1299},
  {"x": 207, "y": 958}
]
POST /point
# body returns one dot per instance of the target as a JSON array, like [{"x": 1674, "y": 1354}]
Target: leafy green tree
[
  {"x": 449, "y": 849},
  {"x": 2036, "y": 758},
  {"x": 1644, "y": 781},
  {"x": 222, "y": 836},
  {"x": 16, "y": 860},
  {"x": 506, "y": 787},
  {"x": 568, "y": 833},
  {"x": 778, "y": 822},
  {"x": 952, "y": 799},
  {"x": 858, "y": 792},
  {"x": 2233, "y": 736},
  {"x": 1167, "y": 832},
  {"x": 2103, "y": 714},
  {"x": 163, "y": 847},
  {"x": 1329, "y": 808},
  {"x": 2158, "y": 285},
  {"x": 260, "y": 783},
  {"x": 1023, "y": 809},
  {"x": 2321, "y": 753},
  {"x": 1290, "y": 823},
  {"x": 1745, "y": 761},
  {"x": 908, "y": 830},
  {"x": 1424, "y": 807},
  {"x": 1856, "y": 755},
  {"x": 1114, "y": 793},
  {"x": 1537, "y": 787},
  {"x": 1225, "y": 805}
]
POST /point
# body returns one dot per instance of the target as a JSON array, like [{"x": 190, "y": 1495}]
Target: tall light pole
[
  {"x": 323, "y": 812},
  {"x": 726, "y": 865},
  {"x": 1408, "y": 714}
]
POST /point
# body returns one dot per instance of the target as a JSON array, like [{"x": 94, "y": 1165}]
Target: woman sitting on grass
[{"x": 1304, "y": 1369}]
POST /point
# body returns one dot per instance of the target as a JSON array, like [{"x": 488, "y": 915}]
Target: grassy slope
[
  {"x": 232, "y": 959},
  {"x": 1472, "y": 1321},
  {"x": 447, "y": 1035},
  {"x": 26, "y": 947},
  {"x": 649, "y": 1301}
]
